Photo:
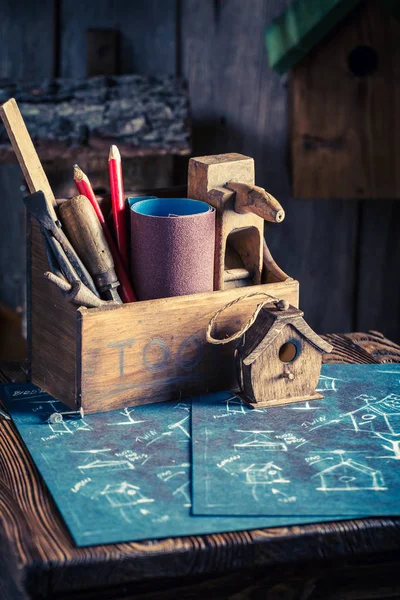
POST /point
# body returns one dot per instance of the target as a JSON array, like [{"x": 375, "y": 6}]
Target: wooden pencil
[{"x": 118, "y": 202}]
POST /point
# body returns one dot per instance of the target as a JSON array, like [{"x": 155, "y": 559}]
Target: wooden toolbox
[{"x": 110, "y": 357}]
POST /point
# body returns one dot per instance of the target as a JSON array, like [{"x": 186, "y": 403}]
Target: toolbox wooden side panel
[
  {"x": 52, "y": 329},
  {"x": 156, "y": 350}
]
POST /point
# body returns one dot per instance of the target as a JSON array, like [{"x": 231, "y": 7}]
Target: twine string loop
[{"x": 246, "y": 326}]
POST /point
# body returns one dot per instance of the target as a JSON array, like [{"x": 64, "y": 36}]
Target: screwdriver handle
[{"x": 87, "y": 237}]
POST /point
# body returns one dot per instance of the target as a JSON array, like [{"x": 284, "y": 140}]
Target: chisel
[{"x": 86, "y": 235}]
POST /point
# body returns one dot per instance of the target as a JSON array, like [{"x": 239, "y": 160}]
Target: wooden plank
[
  {"x": 292, "y": 35},
  {"x": 378, "y": 300},
  {"x": 156, "y": 350},
  {"x": 345, "y": 94},
  {"x": 240, "y": 105},
  {"x": 147, "y": 34},
  {"x": 49, "y": 563},
  {"x": 27, "y": 52},
  {"x": 102, "y": 52},
  {"x": 12, "y": 238},
  {"x": 25, "y": 151},
  {"x": 147, "y": 45}
]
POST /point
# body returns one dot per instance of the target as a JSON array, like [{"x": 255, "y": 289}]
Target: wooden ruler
[{"x": 25, "y": 151}]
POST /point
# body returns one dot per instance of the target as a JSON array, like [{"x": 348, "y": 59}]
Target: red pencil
[
  {"x": 84, "y": 187},
  {"x": 118, "y": 202}
]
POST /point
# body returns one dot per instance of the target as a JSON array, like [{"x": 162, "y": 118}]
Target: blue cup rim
[{"x": 181, "y": 207}]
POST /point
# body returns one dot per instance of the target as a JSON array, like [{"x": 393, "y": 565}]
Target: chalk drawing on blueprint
[
  {"x": 124, "y": 494},
  {"x": 128, "y": 413},
  {"x": 183, "y": 491},
  {"x": 374, "y": 416},
  {"x": 259, "y": 439},
  {"x": 268, "y": 474},
  {"x": 327, "y": 383},
  {"x": 349, "y": 475},
  {"x": 260, "y": 476},
  {"x": 126, "y": 498},
  {"x": 99, "y": 459},
  {"x": 171, "y": 471},
  {"x": 183, "y": 426}
]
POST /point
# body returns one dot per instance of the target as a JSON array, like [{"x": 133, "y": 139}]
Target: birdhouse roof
[
  {"x": 294, "y": 318},
  {"x": 348, "y": 463},
  {"x": 261, "y": 468},
  {"x": 303, "y": 24}
]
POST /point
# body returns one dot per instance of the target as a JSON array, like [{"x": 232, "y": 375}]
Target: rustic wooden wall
[{"x": 344, "y": 253}]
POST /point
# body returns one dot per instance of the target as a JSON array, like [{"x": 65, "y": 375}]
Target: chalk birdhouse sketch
[
  {"x": 268, "y": 474},
  {"x": 349, "y": 475},
  {"x": 279, "y": 360},
  {"x": 258, "y": 439},
  {"x": 124, "y": 494}
]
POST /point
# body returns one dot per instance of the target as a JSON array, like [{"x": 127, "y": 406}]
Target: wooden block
[
  {"x": 208, "y": 172},
  {"x": 102, "y": 51},
  {"x": 344, "y": 99}
]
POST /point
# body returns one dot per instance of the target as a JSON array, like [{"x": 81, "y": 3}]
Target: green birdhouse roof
[{"x": 292, "y": 35}]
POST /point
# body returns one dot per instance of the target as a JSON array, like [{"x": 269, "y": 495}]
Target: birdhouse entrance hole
[
  {"x": 288, "y": 352},
  {"x": 363, "y": 61}
]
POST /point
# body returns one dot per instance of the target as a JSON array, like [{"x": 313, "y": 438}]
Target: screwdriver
[{"x": 87, "y": 237}]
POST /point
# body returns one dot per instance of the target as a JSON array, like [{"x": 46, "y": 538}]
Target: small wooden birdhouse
[{"x": 279, "y": 360}]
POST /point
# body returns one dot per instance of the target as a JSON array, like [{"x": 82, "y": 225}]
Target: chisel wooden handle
[
  {"x": 87, "y": 237},
  {"x": 254, "y": 199}
]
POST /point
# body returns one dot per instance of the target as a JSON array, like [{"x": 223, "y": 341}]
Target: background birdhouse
[
  {"x": 280, "y": 358},
  {"x": 344, "y": 89}
]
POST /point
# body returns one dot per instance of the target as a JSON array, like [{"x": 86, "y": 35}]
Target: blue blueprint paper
[
  {"x": 119, "y": 476},
  {"x": 336, "y": 456}
]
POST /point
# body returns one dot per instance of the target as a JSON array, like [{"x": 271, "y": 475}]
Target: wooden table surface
[{"x": 347, "y": 560}]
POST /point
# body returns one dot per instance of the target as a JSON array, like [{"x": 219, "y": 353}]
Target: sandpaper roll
[{"x": 172, "y": 247}]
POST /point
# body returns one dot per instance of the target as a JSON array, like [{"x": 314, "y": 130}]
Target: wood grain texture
[
  {"x": 70, "y": 117},
  {"x": 345, "y": 132},
  {"x": 379, "y": 307},
  {"x": 87, "y": 236},
  {"x": 157, "y": 350},
  {"x": 27, "y": 53},
  {"x": 52, "y": 328},
  {"x": 279, "y": 359},
  {"x": 102, "y": 51},
  {"x": 242, "y": 234},
  {"x": 239, "y": 104},
  {"x": 147, "y": 35},
  {"x": 353, "y": 559}
]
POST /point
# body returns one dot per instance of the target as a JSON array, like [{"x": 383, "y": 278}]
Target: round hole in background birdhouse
[
  {"x": 363, "y": 61},
  {"x": 287, "y": 352}
]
